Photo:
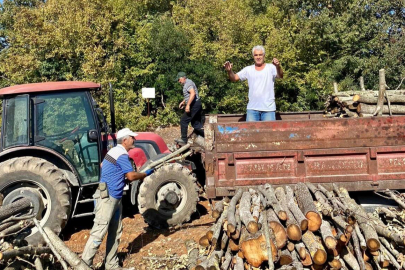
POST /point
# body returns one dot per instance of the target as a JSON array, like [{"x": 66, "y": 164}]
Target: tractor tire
[
  {"x": 45, "y": 185},
  {"x": 168, "y": 197}
]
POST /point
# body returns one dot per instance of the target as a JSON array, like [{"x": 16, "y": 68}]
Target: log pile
[
  {"x": 16, "y": 223},
  {"x": 303, "y": 226}
]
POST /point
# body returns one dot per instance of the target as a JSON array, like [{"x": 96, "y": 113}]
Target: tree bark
[
  {"x": 255, "y": 204},
  {"x": 389, "y": 246},
  {"x": 362, "y": 241},
  {"x": 266, "y": 231},
  {"x": 238, "y": 264},
  {"x": 395, "y": 197},
  {"x": 391, "y": 258},
  {"x": 231, "y": 211},
  {"x": 215, "y": 259},
  {"x": 14, "y": 208},
  {"x": 382, "y": 230},
  {"x": 315, "y": 248},
  {"x": 224, "y": 241},
  {"x": 279, "y": 231},
  {"x": 371, "y": 99},
  {"x": 293, "y": 207},
  {"x": 245, "y": 215},
  {"x": 219, "y": 207},
  {"x": 381, "y": 93},
  {"x": 193, "y": 252},
  {"x": 16, "y": 228},
  {"x": 268, "y": 192},
  {"x": 307, "y": 206},
  {"x": 38, "y": 264},
  {"x": 227, "y": 261},
  {"x": 236, "y": 234},
  {"x": 358, "y": 251}
]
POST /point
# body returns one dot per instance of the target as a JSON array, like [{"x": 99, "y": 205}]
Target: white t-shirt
[{"x": 261, "y": 87}]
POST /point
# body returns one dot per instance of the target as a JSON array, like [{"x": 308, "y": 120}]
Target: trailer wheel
[
  {"x": 44, "y": 184},
  {"x": 168, "y": 197}
]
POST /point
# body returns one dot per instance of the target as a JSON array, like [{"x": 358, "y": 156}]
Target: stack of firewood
[
  {"x": 299, "y": 227},
  {"x": 16, "y": 223},
  {"x": 364, "y": 104}
]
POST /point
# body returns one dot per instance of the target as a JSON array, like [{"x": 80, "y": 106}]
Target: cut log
[
  {"x": 218, "y": 227},
  {"x": 254, "y": 250},
  {"x": 204, "y": 241},
  {"x": 362, "y": 241},
  {"x": 236, "y": 234},
  {"x": 219, "y": 207},
  {"x": 210, "y": 232},
  {"x": 228, "y": 258},
  {"x": 245, "y": 214},
  {"x": 279, "y": 231},
  {"x": 326, "y": 232},
  {"x": 315, "y": 248},
  {"x": 307, "y": 206},
  {"x": 214, "y": 260},
  {"x": 290, "y": 246},
  {"x": 301, "y": 251},
  {"x": 296, "y": 260},
  {"x": 388, "y": 213},
  {"x": 389, "y": 247},
  {"x": 14, "y": 208},
  {"x": 368, "y": 230},
  {"x": 381, "y": 93},
  {"x": 224, "y": 241},
  {"x": 38, "y": 264},
  {"x": 255, "y": 204},
  {"x": 269, "y": 235},
  {"x": 238, "y": 265},
  {"x": 293, "y": 207},
  {"x": 29, "y": 250},
  {"x": 349, "y": 258},
  {"x": 268, "y": 192},
  {"x": 233, "y": 245},
  {"x": 65, "y": 252},
  {"x": 16, "y": 228},
  {"x": 395, "y": 109},
  {"x": 371, "y": 99},
  {"x": 382, "y": 230},
  {"x": 358, "y": 251},
  {"x": 231, "y": 211},
  {"x": 335, "y": 264},
  {"x": 321, "y": 198},
  {"x": 294, "y": 232},
  {"x": 391, "y": 258},
  {"x": 285, "y": 257}
]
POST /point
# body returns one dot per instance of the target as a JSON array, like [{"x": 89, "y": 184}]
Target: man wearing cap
[
  {"x": 192, "y": 109},
  {"x": 115, "y": 168}
]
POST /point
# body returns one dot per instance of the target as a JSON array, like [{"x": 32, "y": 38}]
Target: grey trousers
[{"x": 107, "y": 219}]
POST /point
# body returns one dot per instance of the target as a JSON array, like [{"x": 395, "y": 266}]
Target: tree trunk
[
  {"x": 238, "y": 264},
  {"x": 268, "y": 192},
  {"x": 321, "y": 198},
  {"x": 255, "y": 204},
  {"x": 307, "y": 206},
  {"x": 362, "y": 241},
  {"x": 293, "y": 207},
  {"x": 245, "y": 215},
  {"x": 369, "y": 109},
  {"x": 219, "y": 208},
  {"x": 391, "y": 258},
  {"x": 236, "y": 234},
  {"x": 381, "y": 93},
  {"x": 382, "y": 230},
  {"x": 231, "y": 211},
  {"x": 358, "y": 252},
  {"x": 193, "y": 252},
  {"x": 315, "y": 248},
  {"x": 228, "y": 257},
  {"x": 224, "y": 240},
  {"x": 16, "y": 228},
  {"x": 279, "y": 231},
  {"x": 371, "y": 99},
  {"x": 215, "y": 259},
  {"x": 389, "y": 246},
  {"x": 14, "y": 208},
  {"x": 267, "y": 235}
]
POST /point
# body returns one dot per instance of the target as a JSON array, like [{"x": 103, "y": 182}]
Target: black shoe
[{"x": 180, "y": 142}]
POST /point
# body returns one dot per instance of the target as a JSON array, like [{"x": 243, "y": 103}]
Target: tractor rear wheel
[
  {"x": 168, "y": 197},
  {"x": 44, "y": 184}
]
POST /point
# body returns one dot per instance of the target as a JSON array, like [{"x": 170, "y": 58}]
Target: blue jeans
[{"x": 254, "y": 116}]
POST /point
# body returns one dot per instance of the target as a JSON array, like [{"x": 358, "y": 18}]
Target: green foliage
[{"x": 136, "y": 44}]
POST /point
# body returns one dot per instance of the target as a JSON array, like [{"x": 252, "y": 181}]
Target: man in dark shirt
[{"x": 192, "y": 110}]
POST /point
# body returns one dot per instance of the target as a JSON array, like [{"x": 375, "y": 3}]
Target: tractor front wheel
[
  {"x": 168, "y": 197},
  {"x": 44, "y": 184}
]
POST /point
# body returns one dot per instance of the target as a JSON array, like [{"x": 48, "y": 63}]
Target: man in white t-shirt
[{"x": 261, "y": 78}]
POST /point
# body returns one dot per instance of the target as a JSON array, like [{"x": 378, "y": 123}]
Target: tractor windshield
[{"x": 62, "y": 122}]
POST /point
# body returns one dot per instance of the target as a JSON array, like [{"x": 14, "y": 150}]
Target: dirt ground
[{"x": 143, "y": 247}]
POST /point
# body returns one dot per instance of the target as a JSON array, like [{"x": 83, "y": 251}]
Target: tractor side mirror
[{"x": 92, "y": 135}]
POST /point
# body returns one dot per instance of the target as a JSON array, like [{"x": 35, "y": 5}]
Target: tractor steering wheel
[{"x": 71, "y": 133}]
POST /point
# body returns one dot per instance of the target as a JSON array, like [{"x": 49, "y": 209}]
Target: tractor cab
[{"x": 59, "y": 118}]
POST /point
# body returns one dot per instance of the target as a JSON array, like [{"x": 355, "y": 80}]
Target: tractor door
[{"x": 65, "y": 122}]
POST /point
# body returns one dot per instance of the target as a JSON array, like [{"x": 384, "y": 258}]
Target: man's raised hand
[{"x": 228, "y": 66}]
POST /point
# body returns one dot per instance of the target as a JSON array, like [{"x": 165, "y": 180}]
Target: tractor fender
[{"x": 45, "y": 153}]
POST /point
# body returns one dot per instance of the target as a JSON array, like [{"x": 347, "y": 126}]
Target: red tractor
[{"x": 53, "y": 139}]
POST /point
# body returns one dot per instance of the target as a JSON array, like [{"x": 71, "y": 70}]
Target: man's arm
[
  {"x": 280, "y": 73},
  {"x": 231, "y": 75},
  {"x": 190, "y": 99},
  {"x": 132, "y": 176}
]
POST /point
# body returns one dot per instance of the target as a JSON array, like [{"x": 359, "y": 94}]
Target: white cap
[{"x": 125, "y": 132}]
